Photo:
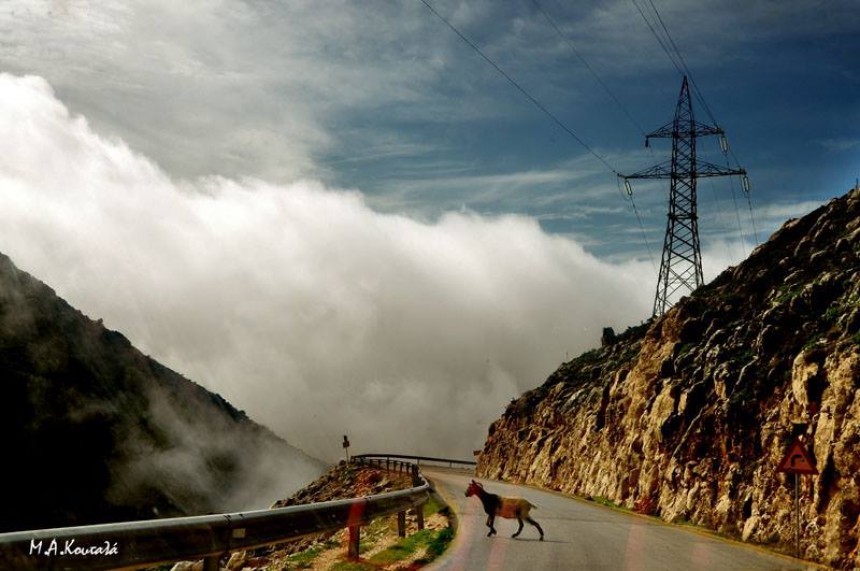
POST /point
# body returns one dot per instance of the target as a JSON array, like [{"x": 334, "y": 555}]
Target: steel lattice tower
[{"x": 681, "y": 262}]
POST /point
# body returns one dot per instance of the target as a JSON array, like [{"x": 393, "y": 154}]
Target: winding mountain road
[{"x": 581, "y": 535}]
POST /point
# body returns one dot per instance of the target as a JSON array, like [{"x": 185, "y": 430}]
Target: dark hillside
[{"x": 95, "y": 431}]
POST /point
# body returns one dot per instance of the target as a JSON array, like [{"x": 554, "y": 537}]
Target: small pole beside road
[
  {"x": 354, "y": 541},
  {"x": 796, "y": 515},
  {"x": 797, "y": 461},
  {"x": 346, "y": 447}
]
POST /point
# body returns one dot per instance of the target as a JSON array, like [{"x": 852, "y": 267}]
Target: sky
[{"x": 346, "y": 219}]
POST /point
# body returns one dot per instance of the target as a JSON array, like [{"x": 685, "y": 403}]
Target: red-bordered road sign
[{"x": 797, "y": 460}]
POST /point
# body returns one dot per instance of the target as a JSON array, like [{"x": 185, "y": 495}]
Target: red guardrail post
[{"x": 354, "y": 537}]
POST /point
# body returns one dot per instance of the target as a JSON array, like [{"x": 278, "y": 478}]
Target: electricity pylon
[{"x": 681, "y": 263}]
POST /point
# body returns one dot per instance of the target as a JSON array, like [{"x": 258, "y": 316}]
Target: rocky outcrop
[
  {"x": 345, "y": 481},
  {"x": 94, "y": 431},
  {"x": 687, "y": 416}
]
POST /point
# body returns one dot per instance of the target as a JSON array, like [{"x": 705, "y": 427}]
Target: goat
[{"x": 510, "y": 508}]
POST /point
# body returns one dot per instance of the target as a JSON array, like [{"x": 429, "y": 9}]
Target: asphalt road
[{"x": 581, "y": 535}]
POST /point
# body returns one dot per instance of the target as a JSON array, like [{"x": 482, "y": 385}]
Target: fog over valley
[{"x": 298, "y": 303}]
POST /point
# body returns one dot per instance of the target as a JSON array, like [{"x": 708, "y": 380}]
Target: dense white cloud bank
[{"x": 299, "y": 303}]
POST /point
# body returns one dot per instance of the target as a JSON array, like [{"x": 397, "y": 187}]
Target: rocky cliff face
[
  {"x": 94, "y": 431},
  {"x": 687, "y": 416}
]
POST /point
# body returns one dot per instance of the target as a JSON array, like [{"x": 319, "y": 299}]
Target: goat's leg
[
  {"x": 520, "y": 521},
  {"x": 534, "y": 523},
  {"x": 492, "y": 531}
]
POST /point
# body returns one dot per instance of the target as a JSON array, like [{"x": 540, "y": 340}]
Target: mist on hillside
[{"x": 298, "y": 303}]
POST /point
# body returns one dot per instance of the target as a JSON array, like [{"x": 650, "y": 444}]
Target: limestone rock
[{"x": 687, "y": 416}]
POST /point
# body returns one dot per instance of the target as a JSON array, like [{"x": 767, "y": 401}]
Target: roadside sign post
[
  {"x": 346, "y": 447},
  {"x": 797, "y": 461},
  {"x": 797, "y": 515}
]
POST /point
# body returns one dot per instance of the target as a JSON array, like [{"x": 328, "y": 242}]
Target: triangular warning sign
[{"x": 797, "y": 460}]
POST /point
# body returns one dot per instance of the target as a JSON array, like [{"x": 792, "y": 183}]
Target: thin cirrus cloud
[
  {"x": 299, "y": 303},
  {"x": 382, "y": 95}
]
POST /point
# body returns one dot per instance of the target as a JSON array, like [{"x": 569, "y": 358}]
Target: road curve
[{"x": 581, "y": 535}]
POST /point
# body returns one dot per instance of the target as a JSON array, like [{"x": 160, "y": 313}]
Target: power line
[
  {"x": 680, "y": 64},
  {"x": 520, "y": 88},
  {"x": 752, "y": 217},
  {"x": 629, "y": 192},
  {"x": 660, "y": 40},
  {"x": 547, "y": 112},
  {"x": 678, "y": 60},
  {"x": 738, "y": 216},
  {"x": 699, "y": 96},
  {"x": 579, "y": 56},
  {"x": 576, "y": 52}
]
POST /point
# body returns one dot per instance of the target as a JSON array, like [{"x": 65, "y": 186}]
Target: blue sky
[
  {"x": 323, "y": 205},
  {"x": 383, "y": 97}
]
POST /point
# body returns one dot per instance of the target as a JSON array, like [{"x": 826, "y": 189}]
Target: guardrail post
[
  {"x": 419, "y": 510},
  {"x": 401, "y": 524},
  {"x": 354, "y": 538}
]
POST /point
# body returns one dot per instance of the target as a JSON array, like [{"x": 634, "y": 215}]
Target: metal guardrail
[
  {"x": 418, "y": 459},
  {"x": 131, "y": 545}
]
